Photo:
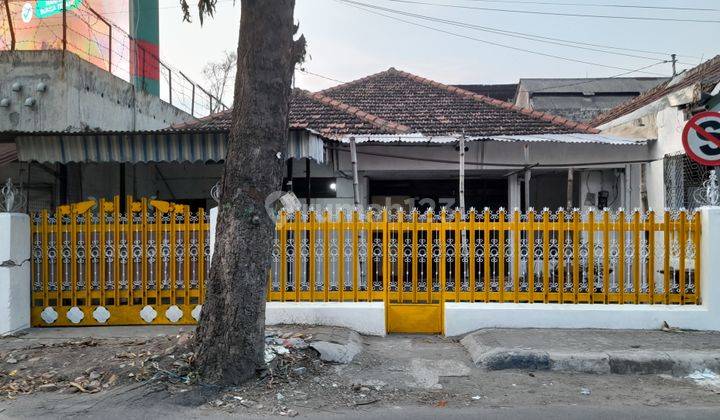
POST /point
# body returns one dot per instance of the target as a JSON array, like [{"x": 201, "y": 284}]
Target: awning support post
[
  {"x": 307, "y": 181},
  {"x": 570, "y": 187},
  {"x": 462, "y": 174},
  {"x": 526, "y": 150},
  {"x": 353, "y": 161}
]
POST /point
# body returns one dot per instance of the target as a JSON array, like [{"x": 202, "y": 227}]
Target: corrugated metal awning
[
  {"x": 8, "y": 153},
  {"x": 158, "y": 146}
]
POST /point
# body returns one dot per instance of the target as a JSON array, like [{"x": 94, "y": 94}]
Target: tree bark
[{"x": 231, "y": 335}]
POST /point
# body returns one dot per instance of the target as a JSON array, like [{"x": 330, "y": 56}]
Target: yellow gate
[{"x": 95, "y": 264}]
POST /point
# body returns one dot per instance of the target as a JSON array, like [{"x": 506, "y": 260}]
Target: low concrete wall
[
  {"x": 364, "y": 317},
  {"x": 14, "y": 272},
  {"x": 461, "y": 318}
]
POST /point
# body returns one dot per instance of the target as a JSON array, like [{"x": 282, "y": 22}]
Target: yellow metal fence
[
  {"x": 95, "y": 263},
  {"x": 98, "y": 263},
  {"x": 595, "y": 257}
]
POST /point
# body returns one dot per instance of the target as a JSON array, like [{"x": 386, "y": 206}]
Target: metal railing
[
  {"x": 94, "y": 38},
  {"x": 94, "y": 264},
  {"x": 543, "y": 257}
]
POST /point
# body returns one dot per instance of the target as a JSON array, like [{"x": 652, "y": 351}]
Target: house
[
  {"x": 661, "y": 113},
  {"x": 580, "y": 99},
  {"x": 407, "y": 129}
]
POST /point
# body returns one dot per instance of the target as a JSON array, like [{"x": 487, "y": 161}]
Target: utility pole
[{"x": 673, "y": 60}]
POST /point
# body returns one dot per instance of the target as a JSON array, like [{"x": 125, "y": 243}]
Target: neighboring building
[
  {"x": 504, "y": 92},
  {"x": 661, "y": 113},
  {"x": 580, "y": 99},
  {"x": 55, "y": 95}
]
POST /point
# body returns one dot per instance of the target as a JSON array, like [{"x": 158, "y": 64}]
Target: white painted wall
[
  {"x": 364, "y": 317},
  {"x": 14, "y": 272}
]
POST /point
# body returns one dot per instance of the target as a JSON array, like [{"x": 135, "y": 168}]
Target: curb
[{"x": 617, "y": 362}]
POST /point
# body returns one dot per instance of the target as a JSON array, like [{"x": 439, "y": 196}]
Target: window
[{"x": 683, "y": 180}]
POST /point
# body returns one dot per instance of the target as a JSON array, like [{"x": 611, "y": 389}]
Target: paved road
[{"x": 423, "y": 413}]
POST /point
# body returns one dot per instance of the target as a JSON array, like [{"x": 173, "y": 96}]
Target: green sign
[{"x": 46, "y": 8}]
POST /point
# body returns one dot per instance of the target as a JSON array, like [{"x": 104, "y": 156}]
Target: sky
[{"x": 346, "y": 43}]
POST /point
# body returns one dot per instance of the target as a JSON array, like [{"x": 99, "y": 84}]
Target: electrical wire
[
  {"x": 302, "y": 70},
  {"x": 537, "y": 12},
  {"x": 350, "y": 3},
  {"x": 514, "y": 34},
  {"x": 609, "y": 5}
]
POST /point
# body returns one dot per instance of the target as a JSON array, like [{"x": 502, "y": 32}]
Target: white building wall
[{"x": 662, "y": 121}]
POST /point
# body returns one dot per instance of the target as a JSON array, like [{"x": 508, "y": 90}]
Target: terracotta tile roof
[
  {"x": 433, "y": 108},
  {"x": 396, "y": 102},
  {"x": 312, "y": 111},
  {"x": 330, "y": 116},
  {"x": 707, "y": 72}
]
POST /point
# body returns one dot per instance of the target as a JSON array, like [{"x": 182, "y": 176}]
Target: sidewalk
[{"x": 595, "y": 351}]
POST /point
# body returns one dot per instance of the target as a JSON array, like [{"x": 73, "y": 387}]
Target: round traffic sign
[{"x": 701, "y": 138}]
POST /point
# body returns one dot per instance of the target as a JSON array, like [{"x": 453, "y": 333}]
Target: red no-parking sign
[{"x": 701, "y": 138}]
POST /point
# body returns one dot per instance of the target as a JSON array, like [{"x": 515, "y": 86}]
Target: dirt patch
[{"x": 92, "y": 365}]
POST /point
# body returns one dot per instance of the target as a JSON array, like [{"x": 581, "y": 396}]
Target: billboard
[{"x": 38, "y": 25}]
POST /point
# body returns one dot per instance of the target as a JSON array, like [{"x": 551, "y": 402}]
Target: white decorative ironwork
[
  {"x": 709, "y": 193},
  {"x": 215, "y": 191},
  {"x": 11, "y": 198}
]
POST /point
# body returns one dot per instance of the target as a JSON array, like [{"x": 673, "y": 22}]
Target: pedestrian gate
[{"x": 98, "y": 264}]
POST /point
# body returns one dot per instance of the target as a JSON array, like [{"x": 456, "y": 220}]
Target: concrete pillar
[
  {"x": 14, "y": 272},
  {"x": 710, "y": 258},
  {"x": 213, "y": 226}
]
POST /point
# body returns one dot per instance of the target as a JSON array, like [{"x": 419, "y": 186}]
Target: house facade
[{"x": 407, "y": 130}]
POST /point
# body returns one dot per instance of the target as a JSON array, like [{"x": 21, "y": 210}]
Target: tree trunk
[{"x": 231, "y": 335}]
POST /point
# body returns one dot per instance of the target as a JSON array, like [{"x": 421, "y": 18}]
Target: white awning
[{"x": 417, "y": 138}]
